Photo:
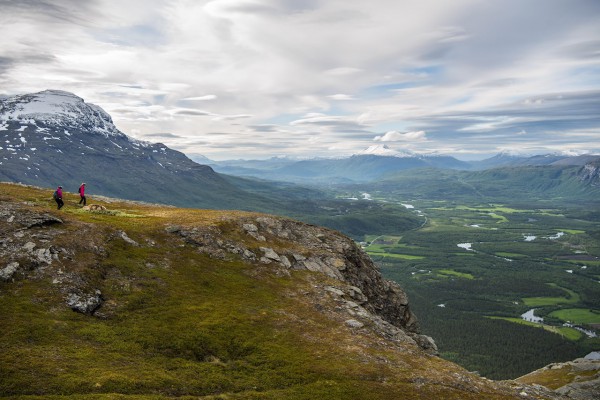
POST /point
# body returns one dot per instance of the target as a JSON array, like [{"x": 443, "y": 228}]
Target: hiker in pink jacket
[
  {"x": 82, "y": 193},
  {"x": 58, "y": 197}
]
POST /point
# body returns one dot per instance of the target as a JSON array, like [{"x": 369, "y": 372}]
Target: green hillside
[
  {"x": 549, "y": 184},
  {"x": 145, "y": 302}
]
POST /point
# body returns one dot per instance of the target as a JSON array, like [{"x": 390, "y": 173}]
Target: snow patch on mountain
[
  {"x": 46, "y": 102},
  {"x": 60, "y": 112},
  {"x": 384, "y": 150},
  {"x": 56, "y": 108},
  {"x": 512, "y": 153}
]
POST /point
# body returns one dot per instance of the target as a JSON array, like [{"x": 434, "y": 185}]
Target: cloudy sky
[{"x": 261, "y": 78}]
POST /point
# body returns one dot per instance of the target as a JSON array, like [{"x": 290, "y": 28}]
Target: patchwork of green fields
[
  {"x": 577, "y": 315},
  {"x": 566, "y": 332},
  {"x": 571, "y": 297},
  {"x": 510, "y": 260}
]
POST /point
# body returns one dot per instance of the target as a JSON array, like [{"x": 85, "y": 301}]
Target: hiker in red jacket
[
  {"x": 58, "y": 197},
  {"x": 82, "y": 194}
]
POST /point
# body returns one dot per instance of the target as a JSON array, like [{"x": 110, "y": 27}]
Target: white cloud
[
  {"x": 201, "y": 98},
  {"x": 341, "y": 97},
  {"x": 342, "y": 71},
  {"x": 336, "y": 70},
  {"x": 395, "y": 136}
]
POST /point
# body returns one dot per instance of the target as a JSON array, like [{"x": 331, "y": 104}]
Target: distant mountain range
[
  {"x": 375, "y": 163},
  {"x": 508, "y": 160}
]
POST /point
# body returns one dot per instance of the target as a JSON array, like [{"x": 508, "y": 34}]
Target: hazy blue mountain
[
  {"x": 199, "y": 158},
  {"x": 520, "y": 184},
  {"x": 499, "y": 160},
  {"x": 512, "y": 160},
  {"x": 356, "y": 168},
  {"x": 578, "y": 160},
  {"x": 540, "y": 159}
]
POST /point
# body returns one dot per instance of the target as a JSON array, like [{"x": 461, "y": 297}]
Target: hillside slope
[{"x": 147, "y": 302}]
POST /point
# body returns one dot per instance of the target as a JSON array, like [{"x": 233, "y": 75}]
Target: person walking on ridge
[
  {"x": 58, "y": 194},
  {"x": 82, "y": 194}
]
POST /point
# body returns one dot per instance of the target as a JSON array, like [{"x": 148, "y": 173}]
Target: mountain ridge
[
  {"x": 373, "y": 165},
  {"x": 356, "y": 168},
  {"x": 54, "y": 138}
]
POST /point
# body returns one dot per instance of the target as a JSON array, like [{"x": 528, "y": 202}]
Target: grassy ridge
[{"x": 177, "y": 323}]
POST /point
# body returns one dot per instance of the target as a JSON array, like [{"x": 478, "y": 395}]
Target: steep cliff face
[
  {"x": 360, "y": 287},
  {"x": 590, "y": 173},
  {"x": 163, "y": 302}
]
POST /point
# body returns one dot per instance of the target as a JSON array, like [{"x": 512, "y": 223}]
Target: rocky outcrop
[
  {"x": 339, "y": 257},
  {"x": 287, "y": 245},
  {"x": 24, "y": 244},
  {"x": 29, "y": 249},
  {"x": 578, "y": 379}
]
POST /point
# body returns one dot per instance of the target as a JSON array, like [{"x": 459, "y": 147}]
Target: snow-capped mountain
[
  {"x": 57, "y": 108},
  {"x": 385, "y": 151},
  {"x": 56, "y": 118},
  {"x": 55, "y": 138}
]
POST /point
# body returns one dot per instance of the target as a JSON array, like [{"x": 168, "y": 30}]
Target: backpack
[{"x": 55, "y": 195}]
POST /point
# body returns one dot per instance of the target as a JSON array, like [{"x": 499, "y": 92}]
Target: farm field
[{"x": 484, "y": 278}]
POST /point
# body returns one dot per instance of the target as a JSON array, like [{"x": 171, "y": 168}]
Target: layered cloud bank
[{"x": 258, "y": 78}]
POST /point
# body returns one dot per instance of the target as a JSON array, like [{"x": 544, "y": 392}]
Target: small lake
[{"x": 531, "y": 317}]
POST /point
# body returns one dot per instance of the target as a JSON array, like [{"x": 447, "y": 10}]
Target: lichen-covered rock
[
  {"x": 7, "y": 272},
  {"x": 85, "y": 303},
  {"x": 20, "y": 216},
  {"x": 352, "y": 323},
  {"x": 127, "y": 239},
  {"x": 270, "y": 254}
]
